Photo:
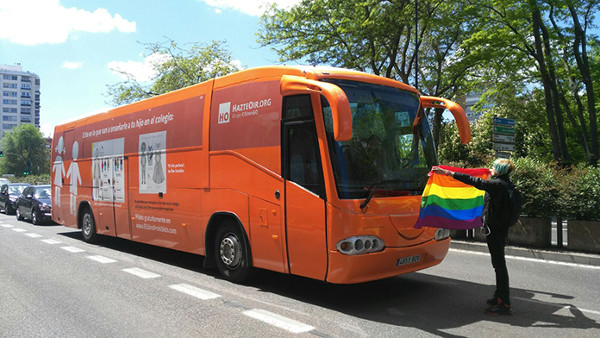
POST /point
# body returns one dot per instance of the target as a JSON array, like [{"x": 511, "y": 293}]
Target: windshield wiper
[
  {"x": 370, "y": 193},
  {"x": 373, "y": 188}
]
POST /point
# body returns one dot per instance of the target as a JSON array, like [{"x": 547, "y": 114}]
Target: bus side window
[{"x": 301, "y": 151}]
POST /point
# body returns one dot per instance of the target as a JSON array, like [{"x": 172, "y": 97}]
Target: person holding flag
[{"x": 496, "y": 219}]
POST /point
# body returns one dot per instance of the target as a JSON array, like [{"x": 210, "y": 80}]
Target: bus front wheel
[
  {"x": 232, "y": 253},
  {"x": 88, "y": 226}
]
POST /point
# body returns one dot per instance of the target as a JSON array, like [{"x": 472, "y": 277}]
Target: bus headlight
[
  {"x": 442, "y": 234},
  {"x": 360, "y": 245}
]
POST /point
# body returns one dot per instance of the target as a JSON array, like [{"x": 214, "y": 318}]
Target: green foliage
[
  {"x": 32, "y": 179},
  {"x": 24, "y": 150},
  {"x": 580, "y": 192},
  {"x": 537, "y": 183},
  {"x": 377, "y": 37},
  {"x": 176, "y": 67},
  {"x": 476, "y": 153}
]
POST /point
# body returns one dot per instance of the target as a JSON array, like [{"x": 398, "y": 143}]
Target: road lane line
[
  {"x": 4, "y": 225},
  {"x": 33, "y": 235},
  {"x": 72, "y": 249},
  {"x": 51, "y": 241},
  {"x": 18, "y": 230},
  {"x": 194, "y": 291},
  {"x": 536, "y": 260},
  {"x": 141, "y": 273},
  {"x": 101, "y": 259},
  {"x": 560, "y": 306},
  {"x": 281, "y": 322}
]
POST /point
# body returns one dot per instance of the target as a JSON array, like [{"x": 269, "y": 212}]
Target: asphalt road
[{"x": 55, "y": 285}]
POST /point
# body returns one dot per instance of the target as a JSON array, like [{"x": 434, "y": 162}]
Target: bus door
[
  {"x": 304, "y": 192},
  {"x": 111, "y": 193}
]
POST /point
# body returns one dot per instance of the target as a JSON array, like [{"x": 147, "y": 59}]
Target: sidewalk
[{"x": 551, "y": 255}]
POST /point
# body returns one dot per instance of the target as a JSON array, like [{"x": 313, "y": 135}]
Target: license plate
[{"x": 408, "y": 260}]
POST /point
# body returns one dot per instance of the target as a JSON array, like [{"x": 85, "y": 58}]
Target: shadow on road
[
  {"x": 418, "y": 300},
  {"x": 430, "y": 303}
]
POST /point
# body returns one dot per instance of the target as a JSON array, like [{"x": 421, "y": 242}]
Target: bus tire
[
  {"x": 232, "y": 254},
  {"x": 88, "y": 226}
]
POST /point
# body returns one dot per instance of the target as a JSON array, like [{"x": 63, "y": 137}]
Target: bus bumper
[{"x": 349, "y": 269}]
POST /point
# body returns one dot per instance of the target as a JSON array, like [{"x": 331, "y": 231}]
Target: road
[{"x": 55, "y": 285}]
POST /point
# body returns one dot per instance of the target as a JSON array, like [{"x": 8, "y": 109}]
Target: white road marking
[
  {"x": 560, "y": 306},
  {"x": 141, "y": 273},
  {"x": 72, "y": 249},
  {"x": 33, "y": 235},
  {"x": 281, "y": 322},
  {"x": 51, "y": 241},
  {"x": 101, "y": 259},
  {"x": 537, "y": 260},
  {"x": 194, "y": 291},
  {"x": 5, "y": 225},
  {"x": 18, "y": 230}
]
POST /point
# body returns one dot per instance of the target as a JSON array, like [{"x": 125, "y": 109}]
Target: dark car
[
  {"x": 9, "y": 193},
  {"x": 35, "y": 204}
]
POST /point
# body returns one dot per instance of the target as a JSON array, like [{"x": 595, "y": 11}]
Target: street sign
[
  {"x": 501, "y": 121},
  {"x": 504, "y": 130},
  {"x": 502, "y": 154},
  {"x": 504, "y": 146},
  {"x": 504, "y": 138}
]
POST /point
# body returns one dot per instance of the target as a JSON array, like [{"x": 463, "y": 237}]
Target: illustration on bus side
[
  {"x": 75, "y": 175},
  {"x": 108, "y": 171},
  {"x": 152, "y": 164},
  {"x": 59, "y": 170}
]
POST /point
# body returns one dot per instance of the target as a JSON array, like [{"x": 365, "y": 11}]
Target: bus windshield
[{"x": 389, "y": 152}]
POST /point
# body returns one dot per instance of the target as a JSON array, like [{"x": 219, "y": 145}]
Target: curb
[{"x": 560, "y": 256}]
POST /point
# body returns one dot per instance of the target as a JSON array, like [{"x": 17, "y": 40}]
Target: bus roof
[{"x": 265, "y": 73}]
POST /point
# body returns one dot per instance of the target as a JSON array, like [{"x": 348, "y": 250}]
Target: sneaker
[
  {"x": 499, "y": 309},
  {"x": 492, "y": 301}
]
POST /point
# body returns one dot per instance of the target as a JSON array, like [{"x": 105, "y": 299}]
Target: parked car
[
  {"x": 9, "y": 193},
  {"x": 4, "y": 181},
  {"x": 34, "y": 204}
]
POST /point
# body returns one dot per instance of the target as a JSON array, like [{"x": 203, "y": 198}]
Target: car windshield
[
  {"x": 16, "y": 189},
  {"x": 389, "y": 153},
  {"x": 42, "y": 193}
]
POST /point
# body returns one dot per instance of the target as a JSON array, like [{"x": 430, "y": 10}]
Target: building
[
  {"x": 20, "y": 97},
  {"x": 470, "y": 100}
]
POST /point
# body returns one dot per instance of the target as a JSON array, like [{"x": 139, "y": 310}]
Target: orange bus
[{"x": 315, "y": 172}]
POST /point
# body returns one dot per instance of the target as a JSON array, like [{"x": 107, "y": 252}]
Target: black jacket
[{"x": 495, "y": 208}]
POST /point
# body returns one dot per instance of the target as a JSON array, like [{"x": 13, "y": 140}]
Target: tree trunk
[
  {"x": 539, "y": 57},
  {"x": 584, "y": 68}
]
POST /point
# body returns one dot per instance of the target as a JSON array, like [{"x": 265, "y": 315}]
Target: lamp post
[{"x": 417, "y": 44}]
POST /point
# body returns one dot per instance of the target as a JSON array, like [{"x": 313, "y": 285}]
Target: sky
[{"x": 75, "y": 45}]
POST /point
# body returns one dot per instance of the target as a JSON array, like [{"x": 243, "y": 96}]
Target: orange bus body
[{"x": 177, "y": 169}]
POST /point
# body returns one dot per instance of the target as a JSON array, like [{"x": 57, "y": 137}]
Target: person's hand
[{"x": 440, "y": 171}]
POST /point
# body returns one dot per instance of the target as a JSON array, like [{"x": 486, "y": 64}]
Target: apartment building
[{"x": 20, "y": 97}]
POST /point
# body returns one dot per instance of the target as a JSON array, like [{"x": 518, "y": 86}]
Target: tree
[
  {"x": 544, "y": 43},
  {"x": 378, "y": 36},
  {"x": 179, "y": 67},
  {"x": 25, "y": 152}
]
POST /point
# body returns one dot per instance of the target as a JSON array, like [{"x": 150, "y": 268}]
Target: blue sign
[{"x": 501, "y": 121}]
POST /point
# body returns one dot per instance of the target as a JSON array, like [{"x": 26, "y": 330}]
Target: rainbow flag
[{"x": 450, "y": 204}]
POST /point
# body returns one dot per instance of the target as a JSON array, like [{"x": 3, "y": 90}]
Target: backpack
[{"x": 515, "y": 203}]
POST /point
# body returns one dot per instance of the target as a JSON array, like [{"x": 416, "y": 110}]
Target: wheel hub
[{"x": 230, "y": 251}]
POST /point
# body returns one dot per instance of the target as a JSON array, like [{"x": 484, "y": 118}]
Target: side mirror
[
  {"x": 464, "y": 128},
  {"x": 340, "y": 107}
]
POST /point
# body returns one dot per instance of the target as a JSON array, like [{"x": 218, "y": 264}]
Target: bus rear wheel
[
  {"x": 88, "y": 226},
  {"x": 232, "y": 253}
]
